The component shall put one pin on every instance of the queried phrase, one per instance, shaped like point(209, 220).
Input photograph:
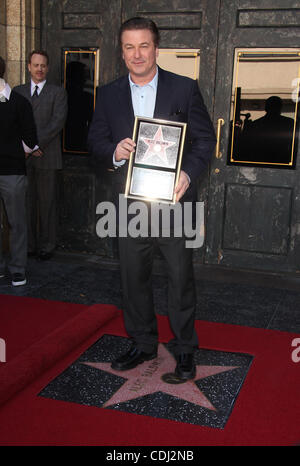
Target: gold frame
point(156, 168)
point(96, 83)
point(268, 54)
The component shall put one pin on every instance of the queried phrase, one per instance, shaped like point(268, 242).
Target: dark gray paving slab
point(152, 389)
point(89, 282)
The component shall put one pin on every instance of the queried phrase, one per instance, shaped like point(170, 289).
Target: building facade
point(242, 52)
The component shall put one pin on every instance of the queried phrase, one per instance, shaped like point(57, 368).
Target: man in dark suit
point(17, 127)
point(152, 92)
point(49, 103)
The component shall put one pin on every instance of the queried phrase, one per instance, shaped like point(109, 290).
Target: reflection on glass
point(264, 112)
point(80, 75)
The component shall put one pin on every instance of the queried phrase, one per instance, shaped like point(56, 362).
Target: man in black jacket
point(18, 134)
point(150, 91)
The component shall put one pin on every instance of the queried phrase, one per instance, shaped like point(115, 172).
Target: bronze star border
point(207, 400)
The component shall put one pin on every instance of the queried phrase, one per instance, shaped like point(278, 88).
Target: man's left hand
point(182, 185)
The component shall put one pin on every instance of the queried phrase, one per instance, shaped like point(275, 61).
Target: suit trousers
point(13, 193)
point(41, 208)
point(136, 263)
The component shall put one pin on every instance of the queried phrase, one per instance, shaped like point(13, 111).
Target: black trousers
point(136, 261)
point(41, 208)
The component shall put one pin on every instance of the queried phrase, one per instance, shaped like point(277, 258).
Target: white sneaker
point(18, 279)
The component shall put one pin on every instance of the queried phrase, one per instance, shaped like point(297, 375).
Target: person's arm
point(58, 118)
point(27, 124)
point(116, 163)
point(123, 151)
point(36, 151)
point(100, 142)
point(182, 185)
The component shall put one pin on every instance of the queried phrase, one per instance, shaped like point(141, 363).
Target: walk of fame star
point(157, 147)
point(148, 378)
point(152, 389)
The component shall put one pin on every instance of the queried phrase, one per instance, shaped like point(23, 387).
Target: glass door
point(253, 216)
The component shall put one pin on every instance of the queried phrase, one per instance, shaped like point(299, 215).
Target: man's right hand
point(37, 153)
point(123, 149)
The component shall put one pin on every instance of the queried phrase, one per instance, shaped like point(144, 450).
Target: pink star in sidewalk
point(147, 378)
point(157, 146)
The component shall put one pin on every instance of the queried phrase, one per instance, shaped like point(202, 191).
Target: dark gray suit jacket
point(50, 112)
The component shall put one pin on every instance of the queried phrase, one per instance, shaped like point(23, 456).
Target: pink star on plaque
point(150, 377)
point(157, 147)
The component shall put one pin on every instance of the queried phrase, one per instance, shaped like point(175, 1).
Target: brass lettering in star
point(147, 378)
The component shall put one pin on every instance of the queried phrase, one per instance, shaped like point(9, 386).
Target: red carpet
point(49, 341)
point(26, 320)
point(266, 412)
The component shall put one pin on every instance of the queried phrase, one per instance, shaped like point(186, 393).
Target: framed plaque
point(154, 166)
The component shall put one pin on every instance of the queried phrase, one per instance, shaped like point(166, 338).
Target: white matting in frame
point(152, 184)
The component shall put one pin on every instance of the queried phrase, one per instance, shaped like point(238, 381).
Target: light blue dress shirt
point(143, 102)
point(144, 97)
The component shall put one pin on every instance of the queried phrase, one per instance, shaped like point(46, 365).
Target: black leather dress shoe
point(131, 359)
point(186, 368)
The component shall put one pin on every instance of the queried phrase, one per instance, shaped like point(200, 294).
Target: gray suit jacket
point(50, 112)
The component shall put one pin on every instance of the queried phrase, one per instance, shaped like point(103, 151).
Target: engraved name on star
point(146, 379)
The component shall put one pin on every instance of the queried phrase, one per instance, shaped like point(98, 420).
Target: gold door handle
point(220, 124)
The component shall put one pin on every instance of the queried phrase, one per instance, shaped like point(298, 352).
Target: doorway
point(253, 198)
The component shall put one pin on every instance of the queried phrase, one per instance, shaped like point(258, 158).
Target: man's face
point(139, 54)
point(38, 68)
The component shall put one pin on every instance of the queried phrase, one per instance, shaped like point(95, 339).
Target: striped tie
point(35, 94)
